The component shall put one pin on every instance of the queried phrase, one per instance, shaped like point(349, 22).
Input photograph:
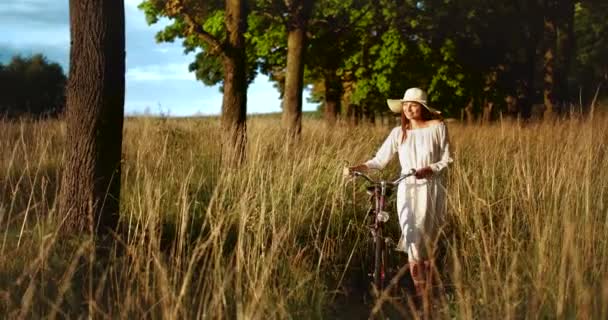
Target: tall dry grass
point(283, 236)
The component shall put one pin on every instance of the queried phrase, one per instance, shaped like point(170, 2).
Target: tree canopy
point(471, 55)
point(218, 29)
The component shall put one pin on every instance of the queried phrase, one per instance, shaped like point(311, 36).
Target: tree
point(297, 21)
point(219, 30)
point(234, 103)
point(549, 53)
point(565, 49)
point(278, 32)
point(90, 187)
point(299, 43)
point(590, 63)
point(340, 31)
point(492, 54)
point(356, 53)
point(31, 87)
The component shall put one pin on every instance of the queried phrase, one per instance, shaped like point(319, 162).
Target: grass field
point(283, 238)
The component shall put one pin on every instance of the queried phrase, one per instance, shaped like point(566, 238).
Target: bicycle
point(379, 191)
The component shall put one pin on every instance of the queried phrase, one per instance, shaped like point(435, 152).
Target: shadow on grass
point(28, 194)
point(356, 298)
point(43, 277)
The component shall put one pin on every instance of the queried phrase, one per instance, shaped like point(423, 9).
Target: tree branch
point(272, 17)
point(216, 45)
point(274, 11)
point(324, 22)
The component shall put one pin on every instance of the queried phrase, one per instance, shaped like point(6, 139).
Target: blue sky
point(157, 73)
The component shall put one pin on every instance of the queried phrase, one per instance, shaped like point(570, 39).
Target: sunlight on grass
point(282, 237)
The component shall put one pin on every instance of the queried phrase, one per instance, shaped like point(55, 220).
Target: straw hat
point(411, 94)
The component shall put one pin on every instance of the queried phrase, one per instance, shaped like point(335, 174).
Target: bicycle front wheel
point(379, 272)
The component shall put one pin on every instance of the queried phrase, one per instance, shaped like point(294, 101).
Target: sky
point(157, 77)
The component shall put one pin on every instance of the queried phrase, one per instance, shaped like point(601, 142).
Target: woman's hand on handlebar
point(425, 172)
point(348, 171)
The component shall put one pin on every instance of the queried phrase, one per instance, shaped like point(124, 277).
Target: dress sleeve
point(444, 149)
point(386, 151)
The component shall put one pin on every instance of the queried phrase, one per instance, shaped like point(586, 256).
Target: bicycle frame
point(379, 191)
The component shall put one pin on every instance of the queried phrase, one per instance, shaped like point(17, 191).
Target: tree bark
point(294, 81)
point(90, 187)
point(468, 112)
point(333, 94)
point(370, 116)
point(549, 44)
point(488, 106)
point(525, 96)
point(489, 93)
point(234, 103)
point(353, 113)
point(533, 34)
point(292, 99)
point(565, 49)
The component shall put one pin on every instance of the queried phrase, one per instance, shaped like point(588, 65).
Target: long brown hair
point(426, 115)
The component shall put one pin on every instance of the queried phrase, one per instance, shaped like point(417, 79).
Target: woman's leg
point(419, 272)
point(421, 275)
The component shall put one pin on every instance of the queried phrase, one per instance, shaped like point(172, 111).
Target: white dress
point(421, 203)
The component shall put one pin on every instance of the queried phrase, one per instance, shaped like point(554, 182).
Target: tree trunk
point(533, 34)
point(525, 96)
point(486, 117)
point(331, 107)
point(292, 99)
point(353, 114)
point(370, 116)
point(333, 95)
point(234, 103)
point(294, 81)
point(489, 91)
point(549, 42)
point(90, 187)
point(470, 117)
point(565, 49)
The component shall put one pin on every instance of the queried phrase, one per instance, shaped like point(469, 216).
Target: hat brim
point(395, 106)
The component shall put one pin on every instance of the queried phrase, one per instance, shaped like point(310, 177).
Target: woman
point(422, 144)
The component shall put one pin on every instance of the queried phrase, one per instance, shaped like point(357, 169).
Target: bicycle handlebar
point(389, 182)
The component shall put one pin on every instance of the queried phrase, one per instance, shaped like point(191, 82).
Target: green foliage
point(267, 38)
point(591, 27)
point(449, 85)
point(368, 51)
point(209, 16)
point(31, 86)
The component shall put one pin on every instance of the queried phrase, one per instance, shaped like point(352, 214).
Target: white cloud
point(157, 75)
point(158, 72)
point(23, 6)
point(23, 38)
